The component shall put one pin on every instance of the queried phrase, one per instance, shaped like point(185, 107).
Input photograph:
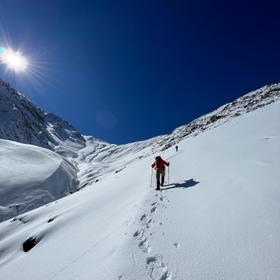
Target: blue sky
point(125, 71)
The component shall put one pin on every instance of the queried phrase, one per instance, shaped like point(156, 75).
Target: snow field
point(216, 219)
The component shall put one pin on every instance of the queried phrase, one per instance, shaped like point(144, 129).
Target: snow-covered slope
point(30, 177)
point(98, 159)
point(216, 219)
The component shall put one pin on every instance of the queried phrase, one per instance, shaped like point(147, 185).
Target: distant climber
point(176, 147)
point(159, 166)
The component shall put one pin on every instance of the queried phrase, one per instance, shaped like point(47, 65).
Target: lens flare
point(25, 65)
point(13, 59)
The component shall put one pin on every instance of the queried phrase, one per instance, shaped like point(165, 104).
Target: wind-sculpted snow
point(99, 159)
point(30, 177)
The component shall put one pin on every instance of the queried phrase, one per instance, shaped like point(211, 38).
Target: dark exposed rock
point(29, 244)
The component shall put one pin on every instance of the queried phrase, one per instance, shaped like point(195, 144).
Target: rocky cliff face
point(22, 121)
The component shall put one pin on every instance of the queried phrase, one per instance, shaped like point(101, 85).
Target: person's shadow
point(187, 184)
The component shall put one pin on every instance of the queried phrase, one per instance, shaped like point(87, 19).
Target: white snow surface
point(216, 218)
point(31, 176)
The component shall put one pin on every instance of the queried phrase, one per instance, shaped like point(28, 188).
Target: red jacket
point(160, 164)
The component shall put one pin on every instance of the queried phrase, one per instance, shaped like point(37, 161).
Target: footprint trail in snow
point(154, 263)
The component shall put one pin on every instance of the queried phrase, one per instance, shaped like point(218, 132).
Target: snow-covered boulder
point(32, 176)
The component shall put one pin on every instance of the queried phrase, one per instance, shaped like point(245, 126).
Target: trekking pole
point(151, 178)
point(168, 175)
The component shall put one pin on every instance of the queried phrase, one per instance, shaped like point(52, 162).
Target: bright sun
point(13, 59)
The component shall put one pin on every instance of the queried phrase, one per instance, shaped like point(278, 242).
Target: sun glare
point(13, 59)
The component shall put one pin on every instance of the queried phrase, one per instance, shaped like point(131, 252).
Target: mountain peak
point(24, 122)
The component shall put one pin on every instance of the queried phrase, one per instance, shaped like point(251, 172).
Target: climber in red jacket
point(159, 166)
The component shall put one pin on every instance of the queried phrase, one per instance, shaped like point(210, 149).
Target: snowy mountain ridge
point(22, 121)
point(244, 104)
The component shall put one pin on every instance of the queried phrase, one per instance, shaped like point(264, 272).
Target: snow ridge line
point(244, 104)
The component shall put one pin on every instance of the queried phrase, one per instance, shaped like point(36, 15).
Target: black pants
point(160, 173)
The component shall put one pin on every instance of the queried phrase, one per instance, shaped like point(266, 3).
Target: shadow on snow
point(186, 184)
